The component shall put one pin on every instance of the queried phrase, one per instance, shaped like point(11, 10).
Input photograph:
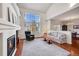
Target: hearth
point(10, 45)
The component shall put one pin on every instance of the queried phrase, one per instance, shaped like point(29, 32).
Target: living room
point(58, 20)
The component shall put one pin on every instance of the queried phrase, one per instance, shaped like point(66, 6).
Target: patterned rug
point(38, 47)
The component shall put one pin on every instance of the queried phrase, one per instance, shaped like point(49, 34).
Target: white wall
point(55, 25)
point(71, 24)
point(21, 31)
point(48, 25)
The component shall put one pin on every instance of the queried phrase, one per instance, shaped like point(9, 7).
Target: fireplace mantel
point(9, 24)
point(5, 25)
point(6, 30)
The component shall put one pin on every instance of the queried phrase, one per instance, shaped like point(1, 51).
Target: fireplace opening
point(10, 45)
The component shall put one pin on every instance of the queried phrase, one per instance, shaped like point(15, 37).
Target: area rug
point(38, 47)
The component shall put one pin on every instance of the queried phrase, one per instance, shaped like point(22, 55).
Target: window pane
point(29, 17)
point(32, 22)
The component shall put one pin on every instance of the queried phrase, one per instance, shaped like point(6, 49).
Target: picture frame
point(8, 14)
point(75, 26)
point(12, 18)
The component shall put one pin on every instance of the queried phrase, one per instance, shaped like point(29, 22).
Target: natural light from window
point(32, 22)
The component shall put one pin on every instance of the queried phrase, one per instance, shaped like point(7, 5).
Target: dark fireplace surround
point(11, 44)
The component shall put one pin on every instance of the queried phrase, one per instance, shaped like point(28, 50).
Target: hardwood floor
point(73, 50)
point(19, 47)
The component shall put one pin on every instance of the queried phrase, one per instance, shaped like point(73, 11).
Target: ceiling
point(69, 15)
point(42, 7)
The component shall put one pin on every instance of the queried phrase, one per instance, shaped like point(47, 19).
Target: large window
point(32, 22)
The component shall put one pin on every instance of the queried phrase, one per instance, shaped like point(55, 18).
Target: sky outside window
point(30, 17)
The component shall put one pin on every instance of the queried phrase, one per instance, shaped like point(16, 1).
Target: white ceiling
point(42, 7)
point(70, 15)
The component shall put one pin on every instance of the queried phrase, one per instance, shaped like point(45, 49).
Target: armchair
point(28, 35)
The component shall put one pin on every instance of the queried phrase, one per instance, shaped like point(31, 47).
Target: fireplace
point(10, 45)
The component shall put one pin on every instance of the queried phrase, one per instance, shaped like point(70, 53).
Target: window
point(32, 22)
